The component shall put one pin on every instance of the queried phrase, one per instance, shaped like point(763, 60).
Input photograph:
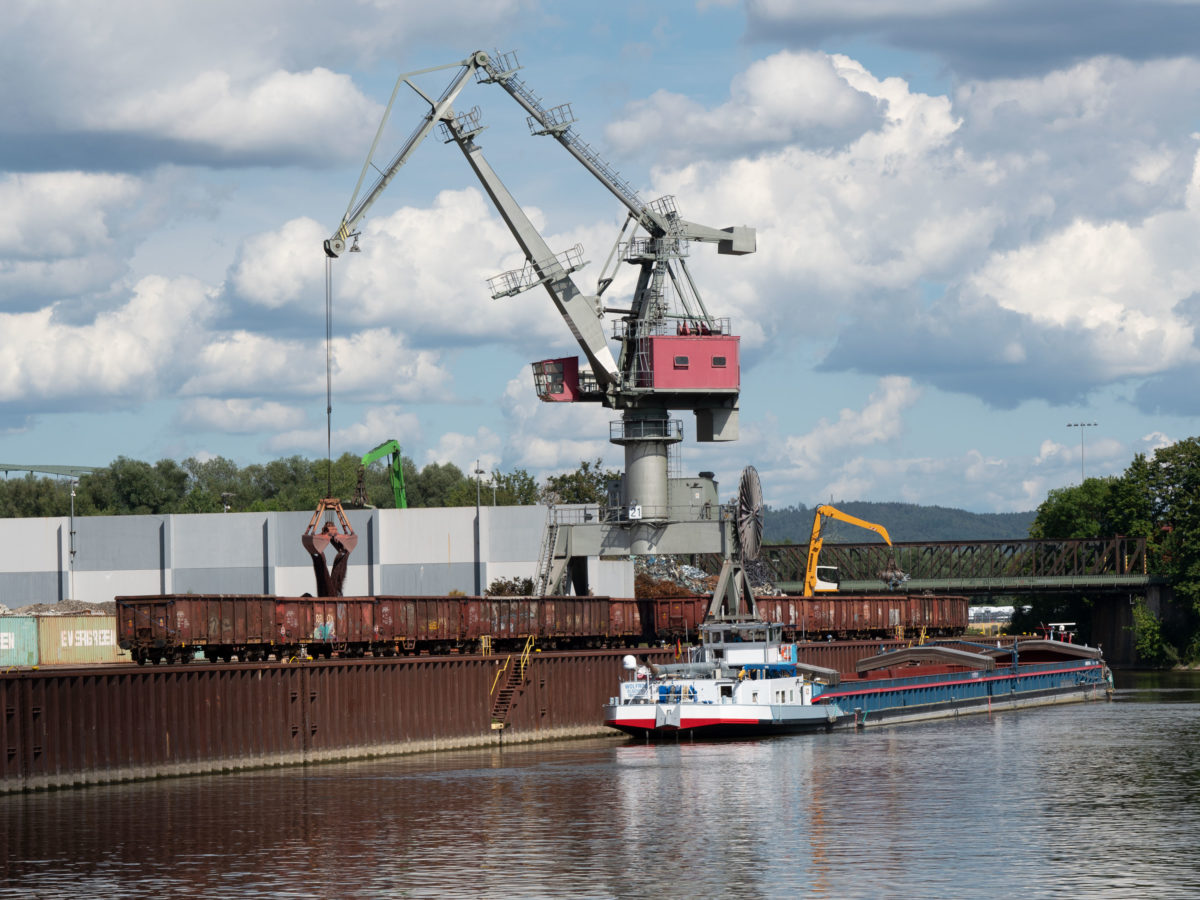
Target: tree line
point(134, 487)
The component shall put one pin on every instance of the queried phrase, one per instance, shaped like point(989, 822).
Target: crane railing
point(501, 69)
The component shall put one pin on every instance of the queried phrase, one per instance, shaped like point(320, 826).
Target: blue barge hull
point(876, 700)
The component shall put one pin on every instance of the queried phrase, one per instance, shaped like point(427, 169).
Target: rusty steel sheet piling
point(78, 726)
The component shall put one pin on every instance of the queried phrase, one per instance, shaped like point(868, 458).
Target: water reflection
point(1093, 799)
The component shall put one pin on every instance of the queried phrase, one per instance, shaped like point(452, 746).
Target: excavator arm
point(816, 541)
point(390, 449)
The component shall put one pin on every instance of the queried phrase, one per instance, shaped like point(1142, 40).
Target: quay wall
point(69, 727)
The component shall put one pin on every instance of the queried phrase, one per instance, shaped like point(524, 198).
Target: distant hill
point(903, 521)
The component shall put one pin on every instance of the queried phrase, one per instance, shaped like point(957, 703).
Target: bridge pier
point(1112, 620)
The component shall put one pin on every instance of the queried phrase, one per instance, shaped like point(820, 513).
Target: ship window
point(681, 362)
point(718, 362)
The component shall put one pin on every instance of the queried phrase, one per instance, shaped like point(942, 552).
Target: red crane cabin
point(696, 362)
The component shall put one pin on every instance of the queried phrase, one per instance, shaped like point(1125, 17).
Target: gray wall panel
point(219, 539)
point(513, 533)
point(119, 542)
point(19, 589)
point(434, 579)
point(244, 580)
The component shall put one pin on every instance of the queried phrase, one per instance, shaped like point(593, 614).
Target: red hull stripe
point(684, 725)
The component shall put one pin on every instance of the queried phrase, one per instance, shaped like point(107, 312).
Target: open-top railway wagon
point(856, 617)
point(176, 627)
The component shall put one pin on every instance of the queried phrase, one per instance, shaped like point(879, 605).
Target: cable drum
point(750, 514)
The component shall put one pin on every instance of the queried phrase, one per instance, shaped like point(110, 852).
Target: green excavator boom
point(389, 449)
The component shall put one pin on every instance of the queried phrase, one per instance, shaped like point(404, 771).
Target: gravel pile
point(66, 608)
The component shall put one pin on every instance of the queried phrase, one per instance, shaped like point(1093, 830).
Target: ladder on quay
point(503, 699)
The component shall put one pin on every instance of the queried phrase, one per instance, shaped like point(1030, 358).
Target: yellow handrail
point(529, 641)
point(500, 671)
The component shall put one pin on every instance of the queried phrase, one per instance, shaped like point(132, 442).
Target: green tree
point(440, 484)
point(587, 484)
point(130, 486)
point(34, 496)
point(1157, 498)
point(515, 488)
point(1079, 511)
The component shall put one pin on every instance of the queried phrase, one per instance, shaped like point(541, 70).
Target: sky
point(976, 228)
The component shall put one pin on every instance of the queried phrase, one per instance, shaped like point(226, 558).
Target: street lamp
point(1081, 426)
point(478, 562)
point(71, 536)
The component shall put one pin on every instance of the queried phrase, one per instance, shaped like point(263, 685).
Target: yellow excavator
point(812, 583)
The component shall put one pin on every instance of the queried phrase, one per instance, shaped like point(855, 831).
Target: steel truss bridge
point(971, 567)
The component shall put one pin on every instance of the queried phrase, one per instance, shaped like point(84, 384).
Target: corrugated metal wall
point(67, 727)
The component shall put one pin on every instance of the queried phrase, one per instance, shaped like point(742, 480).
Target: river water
point(1088, 800)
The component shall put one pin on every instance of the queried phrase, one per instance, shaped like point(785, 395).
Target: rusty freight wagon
point(858, 616)
point(178, 627)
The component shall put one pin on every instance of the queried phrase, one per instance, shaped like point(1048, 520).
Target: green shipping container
point(78, 641)
point(18, 641)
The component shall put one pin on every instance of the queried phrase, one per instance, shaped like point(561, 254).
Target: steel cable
point(328, 377)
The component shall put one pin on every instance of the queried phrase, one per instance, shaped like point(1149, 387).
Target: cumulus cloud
point(60, 214)
point(787, 98)
point(364, 433)
point(80, 96)
point(553, 437)
point(281, 267)
point(422, 269)
point(58, 237)
point(374, 364)
point(963, 242)
point(124, 355)
point(283, 116)
point(236, 415)
point(879, 421)
point(484, 447)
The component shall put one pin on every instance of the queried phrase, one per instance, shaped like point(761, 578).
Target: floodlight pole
point(1081, 426)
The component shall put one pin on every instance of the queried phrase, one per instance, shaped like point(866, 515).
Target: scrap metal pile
point(670, 576)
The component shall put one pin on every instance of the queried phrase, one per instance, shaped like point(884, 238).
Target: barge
point(745, 681)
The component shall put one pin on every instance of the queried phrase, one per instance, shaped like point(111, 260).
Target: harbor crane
point(673, 353)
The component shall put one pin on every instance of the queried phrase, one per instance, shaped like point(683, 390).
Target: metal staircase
point(541, 584)
point(513, 676)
